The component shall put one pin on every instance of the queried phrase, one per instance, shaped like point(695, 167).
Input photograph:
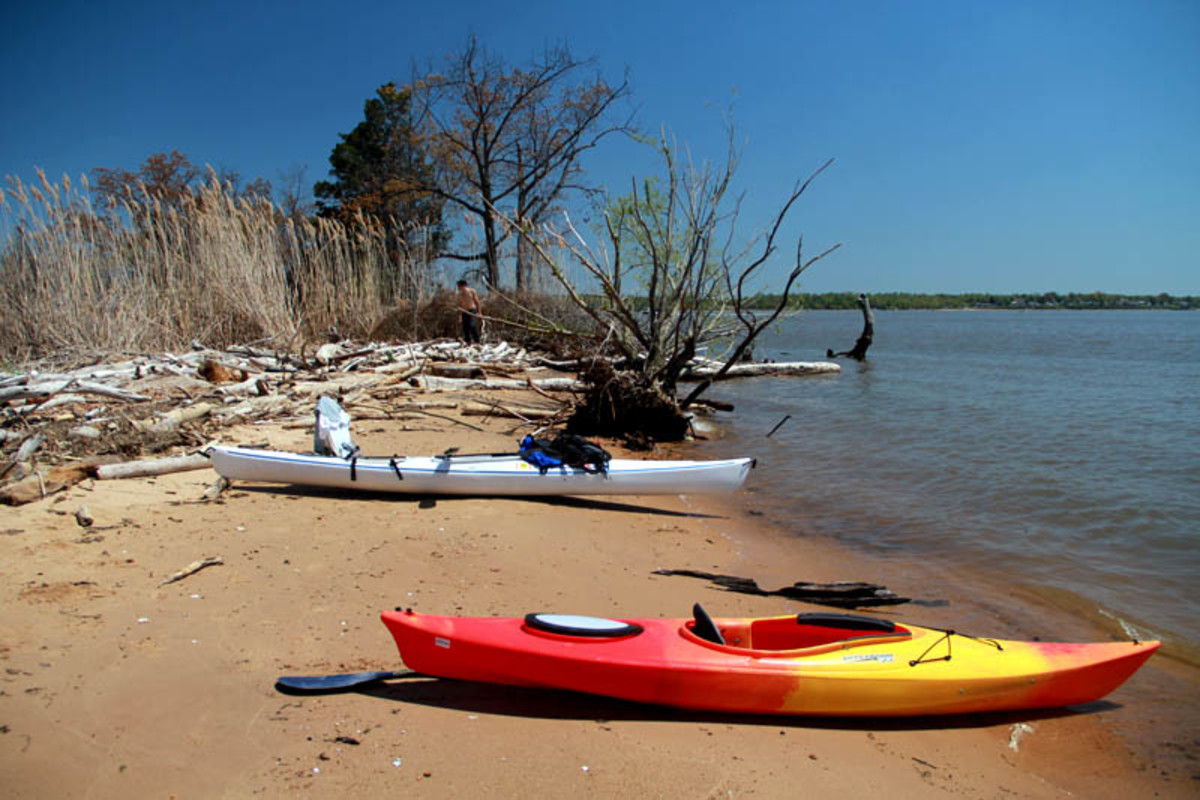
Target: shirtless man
point(468, 312)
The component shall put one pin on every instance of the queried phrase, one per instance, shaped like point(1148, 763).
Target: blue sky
point(979, 146)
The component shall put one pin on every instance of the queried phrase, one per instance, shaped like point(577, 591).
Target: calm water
point(1059, 448)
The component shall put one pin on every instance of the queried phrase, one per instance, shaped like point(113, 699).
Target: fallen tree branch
point(192, 569)
point(26, 449)
point(49, 389)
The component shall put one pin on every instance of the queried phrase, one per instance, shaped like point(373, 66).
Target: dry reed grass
point(213, 270)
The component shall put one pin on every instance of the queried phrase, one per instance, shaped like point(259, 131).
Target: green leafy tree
point(380, 169)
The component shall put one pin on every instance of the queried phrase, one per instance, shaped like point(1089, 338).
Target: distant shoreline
point(904, 301)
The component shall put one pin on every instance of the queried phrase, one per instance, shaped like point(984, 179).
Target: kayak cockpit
point(803, 634)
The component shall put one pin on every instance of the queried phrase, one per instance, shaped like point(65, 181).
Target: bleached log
point(154, 466)
point(402, 365)
point(27, 449)
point(501, 410)
point(271, 364)
point(258, 406)
point(174, 419)
point(418, 404)
point(60, 400)
point(432, 383)
point(707, 370)
point(254, 385)
point(49, 389)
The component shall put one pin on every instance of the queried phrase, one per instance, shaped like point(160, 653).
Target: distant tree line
point(905, 301)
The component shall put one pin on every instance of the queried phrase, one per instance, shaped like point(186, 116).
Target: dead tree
point(675, 238)
point(859, 351)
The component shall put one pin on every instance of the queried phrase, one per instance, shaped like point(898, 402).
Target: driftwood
point(51, 388)
point(174, 419)
point(841, 594)
point(58, 400)
point(474, 409)
point(432, 383)
point(778, 425)
point(254, 385)
point(192, 569)
point(43, 483)
point(153, 466)
point(703, 368)
point(859, 351)
point(27, 449)
point(457, 371)
point(215, 490)
point(391, 376)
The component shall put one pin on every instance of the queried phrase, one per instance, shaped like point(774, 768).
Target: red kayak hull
point(771, 666)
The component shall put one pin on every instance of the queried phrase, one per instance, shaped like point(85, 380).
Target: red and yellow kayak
point(816, 664)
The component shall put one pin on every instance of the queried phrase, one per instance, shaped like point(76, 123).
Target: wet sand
point(114, 685)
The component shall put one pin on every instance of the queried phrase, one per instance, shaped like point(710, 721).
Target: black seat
point(705, 628)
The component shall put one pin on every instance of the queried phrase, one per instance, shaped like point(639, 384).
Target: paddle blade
point(334, 683)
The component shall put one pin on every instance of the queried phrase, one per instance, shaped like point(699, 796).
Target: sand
point(115, 686)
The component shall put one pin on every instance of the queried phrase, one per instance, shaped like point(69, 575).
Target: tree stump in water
point(859, 351)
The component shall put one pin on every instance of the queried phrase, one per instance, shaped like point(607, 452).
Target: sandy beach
point(114, 685)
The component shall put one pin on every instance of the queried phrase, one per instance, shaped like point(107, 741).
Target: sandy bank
point(114, 685)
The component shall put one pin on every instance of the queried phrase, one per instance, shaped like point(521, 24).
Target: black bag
point(578, 452)
point(566, 449)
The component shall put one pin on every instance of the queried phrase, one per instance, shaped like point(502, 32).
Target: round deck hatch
point(575, 625)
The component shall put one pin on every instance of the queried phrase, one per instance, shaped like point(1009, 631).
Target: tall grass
point(214, 269)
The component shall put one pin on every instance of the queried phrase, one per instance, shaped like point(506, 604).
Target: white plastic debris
point(1016, 733)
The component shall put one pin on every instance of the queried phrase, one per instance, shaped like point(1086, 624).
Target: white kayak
point(489, 474)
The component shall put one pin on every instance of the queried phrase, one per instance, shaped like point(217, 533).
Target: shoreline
point(117, 685)
point(1155, 712)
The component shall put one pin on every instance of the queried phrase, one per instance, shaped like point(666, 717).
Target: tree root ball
point(623, 405)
